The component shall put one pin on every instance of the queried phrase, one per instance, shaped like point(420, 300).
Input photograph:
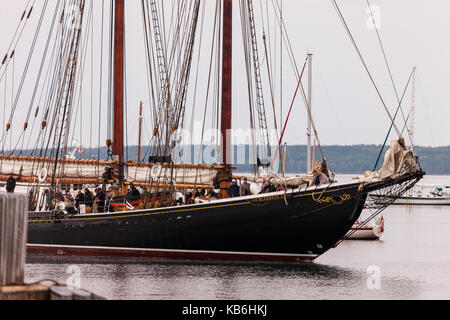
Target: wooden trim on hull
point(168, 255)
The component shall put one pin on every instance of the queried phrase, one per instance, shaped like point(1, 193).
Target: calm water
point(412, 257)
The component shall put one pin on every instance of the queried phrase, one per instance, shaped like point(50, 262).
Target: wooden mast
point(227, 51)
point(140, 132)
point(118, 104)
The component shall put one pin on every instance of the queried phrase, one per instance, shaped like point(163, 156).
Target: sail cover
point(181, 174)
point(398, 161)
point(41, 168)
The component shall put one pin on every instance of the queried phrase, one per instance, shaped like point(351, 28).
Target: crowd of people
point(244, 189)
point(98, 201)
point(239, 191)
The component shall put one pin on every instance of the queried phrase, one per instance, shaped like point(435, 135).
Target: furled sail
point(180, 173)
point(398, 160)
point(40, 168)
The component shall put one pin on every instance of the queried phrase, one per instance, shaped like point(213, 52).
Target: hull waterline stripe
point(167, 253)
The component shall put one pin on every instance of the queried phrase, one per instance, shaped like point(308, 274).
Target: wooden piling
point(13, 238)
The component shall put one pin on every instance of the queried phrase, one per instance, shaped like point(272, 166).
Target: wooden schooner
point(298, 223)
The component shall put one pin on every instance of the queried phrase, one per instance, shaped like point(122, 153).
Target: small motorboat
point(421, 194)
point(359, 231)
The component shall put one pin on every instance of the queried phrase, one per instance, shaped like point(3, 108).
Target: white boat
point(366, 232)
point(423, 194)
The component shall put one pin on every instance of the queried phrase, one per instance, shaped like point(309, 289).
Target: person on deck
point(267, 186)
point(135, 192)
point(79, 199)
point(100, 198)
point(212, 194)
point(319, 179)
point(233, 190)
point(245, 189)
point(108, 196)
point(189, 198)
point(48, 199)
point(88, 200)
point(69, 203)
point(11, 184)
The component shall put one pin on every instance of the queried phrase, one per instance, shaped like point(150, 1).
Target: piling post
point(13, 238)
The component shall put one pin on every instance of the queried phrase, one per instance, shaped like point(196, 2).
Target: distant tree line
point(359, 158)
point(351, 159)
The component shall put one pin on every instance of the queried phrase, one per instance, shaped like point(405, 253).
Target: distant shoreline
point(342, 159)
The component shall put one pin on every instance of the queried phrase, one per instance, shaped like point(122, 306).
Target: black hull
point(253, 228)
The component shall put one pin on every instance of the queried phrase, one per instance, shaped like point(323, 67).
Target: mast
point(227, 51)
point(309, 133)
point(281, 69)
point(140, 132)
point(118, 85)
point(413, 106)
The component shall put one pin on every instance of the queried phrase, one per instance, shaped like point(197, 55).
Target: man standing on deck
point(79, 199)
point(108, 198)
point(245, 189)
point(100, 197)
point(10, 184)
point(233, 191)
point(88, 200)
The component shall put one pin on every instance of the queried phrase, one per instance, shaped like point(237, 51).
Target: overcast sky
point(346, 107)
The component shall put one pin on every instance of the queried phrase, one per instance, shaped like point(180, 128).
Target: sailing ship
point(297, 222)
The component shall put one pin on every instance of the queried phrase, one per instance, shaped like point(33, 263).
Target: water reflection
point(134, 280)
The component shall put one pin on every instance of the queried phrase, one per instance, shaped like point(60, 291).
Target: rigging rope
point(364, 64)
point(26, 67)
point(390, 128)
point(15, 34)
point(389, 70)
point(289, 114)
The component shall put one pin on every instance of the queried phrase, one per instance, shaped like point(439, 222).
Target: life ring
point(158, 168)
point(43, 175)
